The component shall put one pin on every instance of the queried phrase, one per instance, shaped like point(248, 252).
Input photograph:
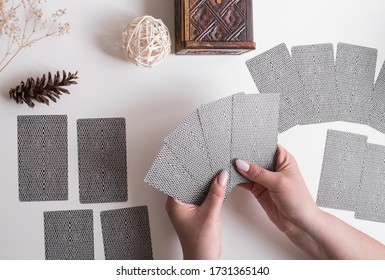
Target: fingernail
point(242, 165)
point(223, 178)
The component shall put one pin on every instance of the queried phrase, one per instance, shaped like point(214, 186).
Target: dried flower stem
point(22, 24)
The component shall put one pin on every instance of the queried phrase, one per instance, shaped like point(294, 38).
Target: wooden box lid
point(213, 26)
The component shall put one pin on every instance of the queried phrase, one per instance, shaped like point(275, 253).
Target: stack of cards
point(210, 139)
point(353, 176)
point(316, 88)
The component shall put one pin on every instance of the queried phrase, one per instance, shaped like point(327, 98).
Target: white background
point(154, 101)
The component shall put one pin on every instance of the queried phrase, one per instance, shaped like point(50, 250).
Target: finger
point(214, 200)
point(283, 158)
point(257, 174)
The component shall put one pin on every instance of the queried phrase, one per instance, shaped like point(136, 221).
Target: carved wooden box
point(213, 26)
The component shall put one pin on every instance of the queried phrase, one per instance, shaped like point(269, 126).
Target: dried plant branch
point(22, 24)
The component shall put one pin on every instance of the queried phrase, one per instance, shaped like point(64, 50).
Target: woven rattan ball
point(146, 41)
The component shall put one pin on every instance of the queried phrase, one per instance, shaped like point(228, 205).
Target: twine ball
point(146, 41)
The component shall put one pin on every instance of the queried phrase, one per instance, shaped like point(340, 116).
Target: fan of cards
point(316, 88)
point(309, 86)
point(210, 139)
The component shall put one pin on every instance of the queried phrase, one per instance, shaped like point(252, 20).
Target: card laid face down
point(69, 235)
point(42, 157)
point(355, 72)
point(371, 195)
point(274, 71)
point(315, 64)
point(255, 124)
point(377, 118)
point(126, 234)
point(187, 143)
point(102, 160)
point(341, 170)
point(168, 175)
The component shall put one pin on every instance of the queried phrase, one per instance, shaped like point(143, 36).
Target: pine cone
point(43, 88)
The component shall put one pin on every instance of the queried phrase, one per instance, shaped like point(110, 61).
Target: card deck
point(238, 126)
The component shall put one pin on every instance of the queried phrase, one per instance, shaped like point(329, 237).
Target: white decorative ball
point(146, 41)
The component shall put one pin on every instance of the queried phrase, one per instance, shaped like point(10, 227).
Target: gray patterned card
point(188, 145)
point(274, 72)
point(315, 64)
point(69, 235)
point(341, 170)
point(371, 195)
point(42, 157)
point(355, 72)
point(377, 118)
point(216, 120)
point(255, 124)
point(126, 234)
point(168, 175)
point(102, 160)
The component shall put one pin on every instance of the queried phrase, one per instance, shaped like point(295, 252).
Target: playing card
point(42, 157)
point(315, 64)
point(102, 160)
point(69, 235)
point(355, 72)
point(126, 234)
point(341, 170)
point(255, 131)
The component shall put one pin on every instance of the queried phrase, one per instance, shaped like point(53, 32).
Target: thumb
point(214, 200)
point(257, 174)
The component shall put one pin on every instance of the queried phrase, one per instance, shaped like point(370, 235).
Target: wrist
point(202, 256)
point(307, 222)
point(312, 221)
point(202, 252)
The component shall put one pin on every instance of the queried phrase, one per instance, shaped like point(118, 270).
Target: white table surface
point(154, 101)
